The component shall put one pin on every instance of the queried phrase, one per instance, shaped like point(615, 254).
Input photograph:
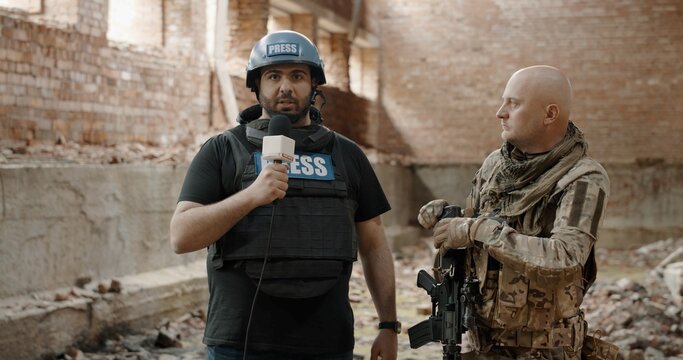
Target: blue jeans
point(229, 353)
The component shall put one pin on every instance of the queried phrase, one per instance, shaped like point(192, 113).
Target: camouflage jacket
point(533, 286)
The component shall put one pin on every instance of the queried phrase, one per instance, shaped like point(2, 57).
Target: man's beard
point(269, 105)
point(293, 118)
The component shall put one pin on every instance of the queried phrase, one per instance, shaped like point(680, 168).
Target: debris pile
point(75, 153)
point(642, 315)
point(172, 340)
point(640, 319)
point(69, 152)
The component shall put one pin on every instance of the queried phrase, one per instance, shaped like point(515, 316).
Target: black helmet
point(284, 47)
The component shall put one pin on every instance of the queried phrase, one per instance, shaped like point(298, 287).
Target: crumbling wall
point(69, 82)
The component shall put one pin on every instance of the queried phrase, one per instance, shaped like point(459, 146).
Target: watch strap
point(392, 325)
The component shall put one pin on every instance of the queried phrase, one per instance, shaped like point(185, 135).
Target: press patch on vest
point(283, 49)
point(586, 207)
point(311, 166)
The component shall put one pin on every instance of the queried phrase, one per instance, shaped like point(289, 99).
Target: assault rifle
point(453, 301)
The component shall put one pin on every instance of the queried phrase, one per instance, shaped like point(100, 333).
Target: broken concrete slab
point(34, 326)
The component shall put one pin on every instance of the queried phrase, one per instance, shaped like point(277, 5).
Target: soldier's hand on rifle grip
point(431, 212)
point(453, 233)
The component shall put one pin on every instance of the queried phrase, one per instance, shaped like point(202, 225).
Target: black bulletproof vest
point(313, 232)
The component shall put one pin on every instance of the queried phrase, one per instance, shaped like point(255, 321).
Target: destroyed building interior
point(104, 103)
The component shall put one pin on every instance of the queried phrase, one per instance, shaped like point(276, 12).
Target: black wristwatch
point(393, 325)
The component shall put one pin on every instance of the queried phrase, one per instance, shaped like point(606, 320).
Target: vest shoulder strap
point(240, 149)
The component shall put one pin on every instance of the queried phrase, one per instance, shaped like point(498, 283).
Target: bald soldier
point(540, 200)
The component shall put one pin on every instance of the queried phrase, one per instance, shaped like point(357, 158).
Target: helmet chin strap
point(316, 93)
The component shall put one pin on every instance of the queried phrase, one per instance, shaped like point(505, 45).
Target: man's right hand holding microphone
point(271, 184)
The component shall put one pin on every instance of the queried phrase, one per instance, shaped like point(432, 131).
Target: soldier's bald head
point(547, 85)
point(536, 108)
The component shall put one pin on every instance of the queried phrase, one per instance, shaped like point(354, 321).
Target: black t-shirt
point(316, 325)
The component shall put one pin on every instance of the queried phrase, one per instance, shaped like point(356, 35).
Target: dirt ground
point(627, 304)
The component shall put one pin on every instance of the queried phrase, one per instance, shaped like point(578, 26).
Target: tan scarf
point(522, 186)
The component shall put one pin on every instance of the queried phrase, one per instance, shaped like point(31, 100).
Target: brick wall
point(348, 114)
point(91, 15)
point(442, 70)
point(70, 81)
point(179, 17)
point(443, 67)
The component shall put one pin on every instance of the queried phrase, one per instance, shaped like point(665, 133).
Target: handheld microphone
point(277, 145)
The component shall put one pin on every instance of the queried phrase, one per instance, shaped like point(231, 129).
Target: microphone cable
point(260, 278)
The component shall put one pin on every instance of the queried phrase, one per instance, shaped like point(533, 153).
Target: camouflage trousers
point(506, 353)
point(593, 349)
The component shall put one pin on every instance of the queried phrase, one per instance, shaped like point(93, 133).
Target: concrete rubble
point(638, 313)
point(642, 316)
point(63, 151)
point(74, 153)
